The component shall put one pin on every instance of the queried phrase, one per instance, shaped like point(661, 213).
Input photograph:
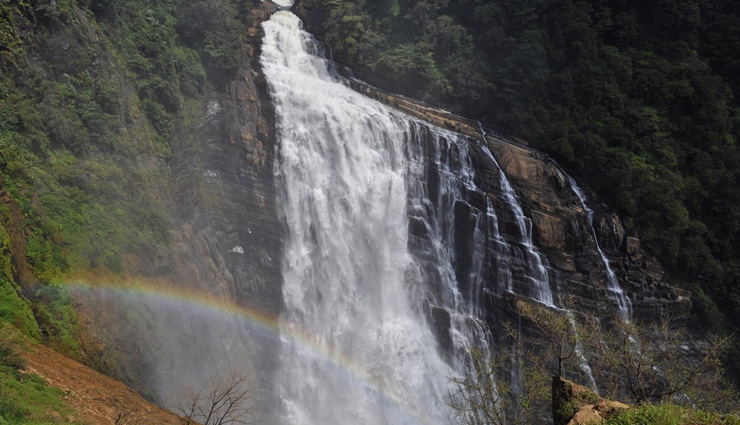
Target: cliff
point(154, 309)
point(560, 225)
point(225, 250)
point(137, 187)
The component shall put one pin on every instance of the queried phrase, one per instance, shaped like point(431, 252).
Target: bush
point(11, 344)
point(14, 308)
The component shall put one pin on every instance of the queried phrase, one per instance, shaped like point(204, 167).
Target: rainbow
point(206, 302)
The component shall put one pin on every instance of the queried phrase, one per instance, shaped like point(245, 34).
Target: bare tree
point(489, 395)
point(656, 362)
point(644, 363)
point(631, 362)
point(224, 400)
point(556, 337)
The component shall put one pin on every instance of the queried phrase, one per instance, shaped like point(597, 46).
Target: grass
point(669, 414)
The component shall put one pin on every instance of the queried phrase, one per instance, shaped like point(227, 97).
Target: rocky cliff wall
point(191, 321)
point(560, 225)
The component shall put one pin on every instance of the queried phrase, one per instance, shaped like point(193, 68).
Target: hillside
point(131, 153)
point(96, 399)
point(189, 191)
point(40, 386)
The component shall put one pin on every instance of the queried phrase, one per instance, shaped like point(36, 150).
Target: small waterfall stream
point(540, 279)
point(623, 301)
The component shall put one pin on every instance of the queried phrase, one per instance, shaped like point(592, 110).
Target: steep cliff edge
point(226, 241)
point(560, 224)
point(137, 177)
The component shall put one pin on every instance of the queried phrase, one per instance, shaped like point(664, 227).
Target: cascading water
point(391, 248)
point(623, 301)
point(540, 279)
point(371, 358)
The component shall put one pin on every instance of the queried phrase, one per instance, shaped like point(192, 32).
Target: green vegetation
point(90, 94)
point(13, 308)
point(668, 414)
point(534, 367)
point(25, 398)
point(640, 100)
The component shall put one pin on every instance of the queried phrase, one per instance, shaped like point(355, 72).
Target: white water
point(386, 231)
point(582, 360)
point(623, 301)
point(370, 357)
point(540, 279)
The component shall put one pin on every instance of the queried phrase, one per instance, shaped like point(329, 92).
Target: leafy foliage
point(90, 93)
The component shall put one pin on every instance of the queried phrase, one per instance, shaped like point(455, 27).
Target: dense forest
point(91, 92)
point(639, 100)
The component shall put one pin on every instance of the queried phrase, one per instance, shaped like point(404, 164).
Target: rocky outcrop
point(562, 231)
point(430, 114)
point(560, 225)
point(574, 404)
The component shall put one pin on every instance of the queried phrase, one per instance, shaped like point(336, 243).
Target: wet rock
point(550, 231)
point(610, 231)
point(633, 244)
point(441, 323)
point(561, 229)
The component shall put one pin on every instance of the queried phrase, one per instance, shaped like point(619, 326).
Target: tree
point(556, 334)
point(622, 361)
point(490, 393)
point(657, 362)
point(224, 400)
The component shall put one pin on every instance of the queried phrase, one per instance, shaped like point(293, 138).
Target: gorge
point(350, 246)
point(399, 231)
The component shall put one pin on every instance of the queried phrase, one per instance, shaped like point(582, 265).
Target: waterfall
point(367, 355)
point(582, 360)
point(623, 301)
point(392, 254)
point(540, 279)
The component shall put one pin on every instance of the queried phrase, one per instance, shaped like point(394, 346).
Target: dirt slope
point(97, 399)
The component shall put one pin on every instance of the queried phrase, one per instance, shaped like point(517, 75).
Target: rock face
point(560, 225)
point(574, 404)
point(561, 230)
point(187, 318)
point(226, 190)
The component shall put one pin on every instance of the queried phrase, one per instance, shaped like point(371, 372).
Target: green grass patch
point(669, 414)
